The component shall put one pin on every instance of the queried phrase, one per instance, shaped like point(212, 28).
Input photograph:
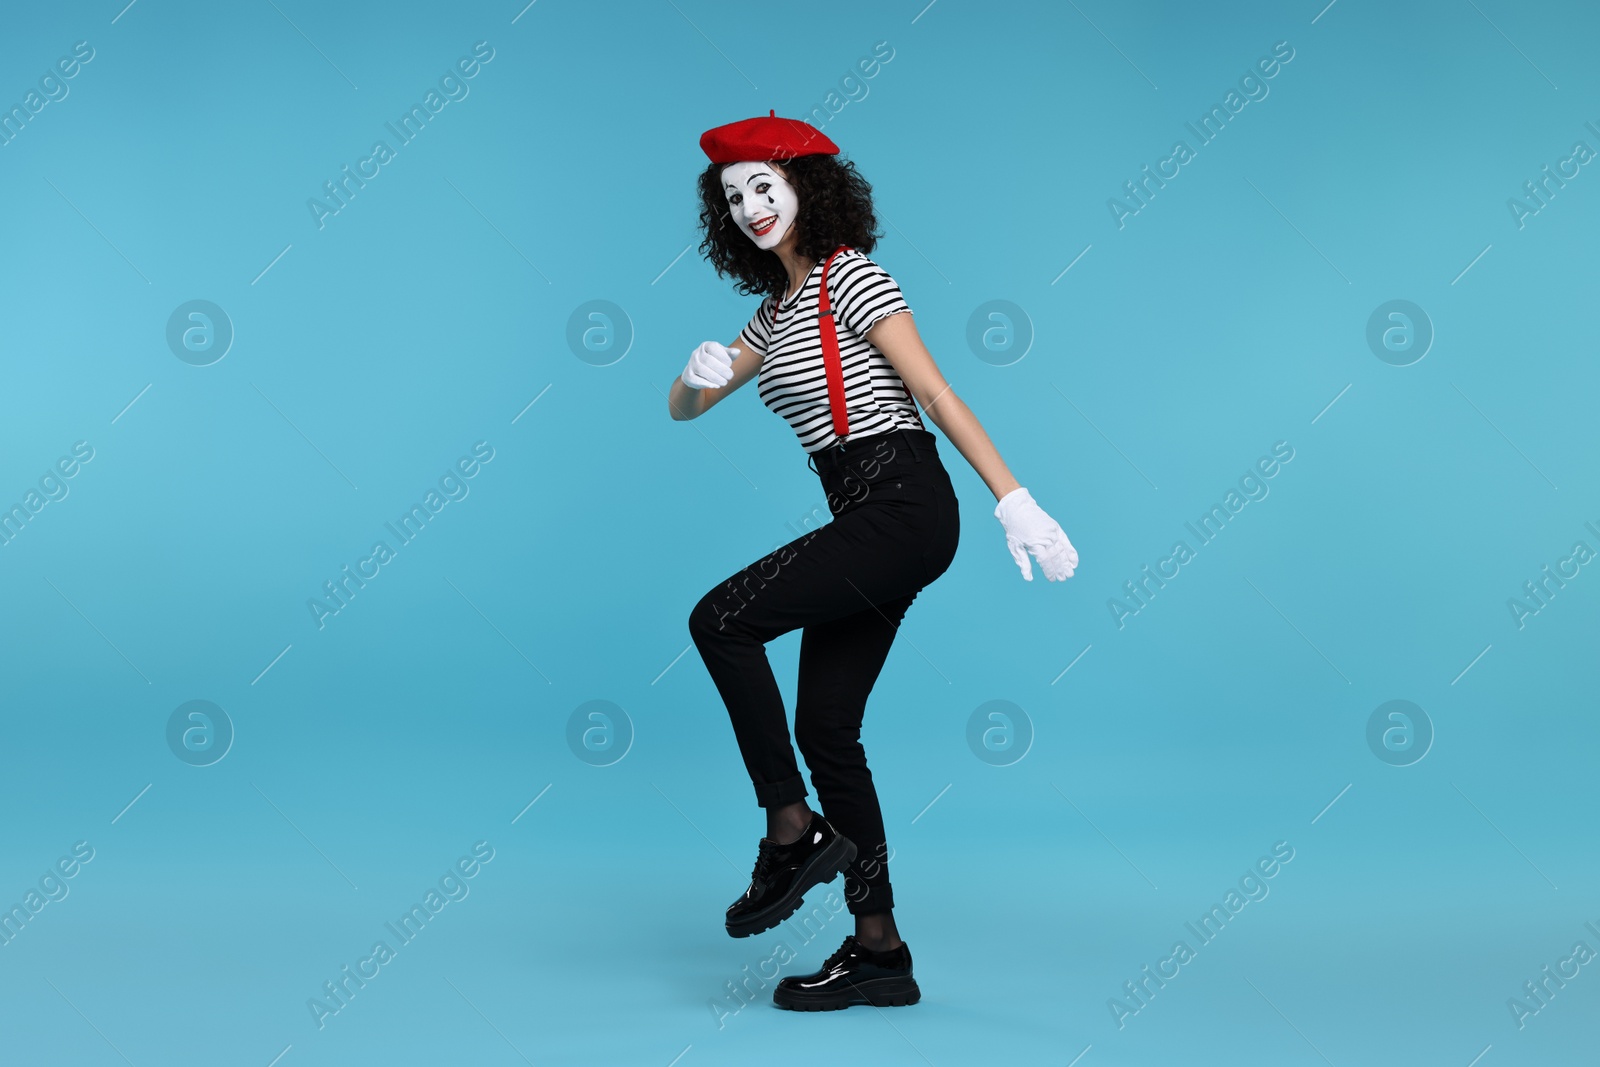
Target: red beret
point(765, 137)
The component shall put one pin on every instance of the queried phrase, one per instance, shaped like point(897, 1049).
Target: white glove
point(1028, 528)
point(710, 366)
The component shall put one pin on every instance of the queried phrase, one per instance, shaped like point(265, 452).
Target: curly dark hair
point(835, 209)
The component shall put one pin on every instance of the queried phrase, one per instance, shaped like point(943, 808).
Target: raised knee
point(711, 616)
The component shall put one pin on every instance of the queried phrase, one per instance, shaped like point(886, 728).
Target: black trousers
point(894, 529)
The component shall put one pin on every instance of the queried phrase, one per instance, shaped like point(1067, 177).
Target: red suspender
point(830, 351)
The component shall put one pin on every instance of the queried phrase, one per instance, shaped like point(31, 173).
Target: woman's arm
point(897, 338)
point(684, 403)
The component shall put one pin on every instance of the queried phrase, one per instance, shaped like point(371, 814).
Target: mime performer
point(839, 358)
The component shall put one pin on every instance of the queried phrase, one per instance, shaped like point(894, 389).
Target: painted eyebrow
point(753, 177)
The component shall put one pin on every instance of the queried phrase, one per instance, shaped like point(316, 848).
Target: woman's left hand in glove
point(1029, 529)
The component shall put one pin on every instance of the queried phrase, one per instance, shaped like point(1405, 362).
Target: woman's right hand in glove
point(710, 366)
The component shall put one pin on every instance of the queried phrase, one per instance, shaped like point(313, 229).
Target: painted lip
point(762, 228)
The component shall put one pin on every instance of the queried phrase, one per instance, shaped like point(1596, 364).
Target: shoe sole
point(878, 992)
point(824, 867)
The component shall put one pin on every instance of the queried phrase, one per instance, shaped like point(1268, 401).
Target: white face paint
point(760, 201)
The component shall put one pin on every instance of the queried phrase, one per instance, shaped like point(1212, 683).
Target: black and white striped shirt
point(793, 382)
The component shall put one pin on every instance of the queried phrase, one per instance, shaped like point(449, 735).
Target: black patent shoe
point(783, 873)
point(852, 975)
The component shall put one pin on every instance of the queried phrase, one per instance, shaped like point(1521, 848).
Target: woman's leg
point(890, 536)
point(862, 558)
point(839, 663)
point(785, 823)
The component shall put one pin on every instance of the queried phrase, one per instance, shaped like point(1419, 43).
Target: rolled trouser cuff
point(776, 794)
point(864, 899)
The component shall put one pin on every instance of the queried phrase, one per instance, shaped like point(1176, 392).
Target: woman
point(841, 364)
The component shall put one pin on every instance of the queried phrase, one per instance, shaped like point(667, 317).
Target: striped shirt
point(793, 381)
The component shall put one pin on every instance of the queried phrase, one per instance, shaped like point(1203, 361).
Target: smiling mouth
point(760, 229)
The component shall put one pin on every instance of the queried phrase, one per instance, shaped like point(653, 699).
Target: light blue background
point(1229, 314)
